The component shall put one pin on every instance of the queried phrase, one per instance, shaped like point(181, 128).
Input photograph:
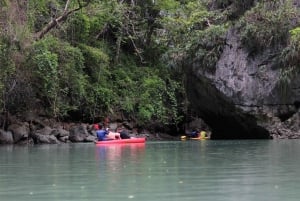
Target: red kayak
point(122, 141)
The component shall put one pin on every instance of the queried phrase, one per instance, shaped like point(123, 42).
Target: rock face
point(20, 132)
point(80, 134)
point(219, 113)
point(6, 137)
point(251, 81)
point(246, 92)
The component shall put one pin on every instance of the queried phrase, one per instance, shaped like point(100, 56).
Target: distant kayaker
point(192, 134)
point(203, 134)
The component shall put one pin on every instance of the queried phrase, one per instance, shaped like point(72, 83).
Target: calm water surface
point(178, 171)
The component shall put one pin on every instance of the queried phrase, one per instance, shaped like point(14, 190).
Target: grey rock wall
point(246, 80)
point(252, 83)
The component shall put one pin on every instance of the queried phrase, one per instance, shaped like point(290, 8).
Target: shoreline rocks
point(59, 132)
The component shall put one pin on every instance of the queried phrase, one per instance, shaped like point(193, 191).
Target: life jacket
point(203, 134)
point(101, 134)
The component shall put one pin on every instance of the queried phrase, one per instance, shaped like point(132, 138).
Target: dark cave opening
point(220, 114)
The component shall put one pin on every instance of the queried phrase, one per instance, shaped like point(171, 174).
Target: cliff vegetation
point(83, 60)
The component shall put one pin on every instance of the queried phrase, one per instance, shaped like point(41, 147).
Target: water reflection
point(113, 154)
point(117, 163)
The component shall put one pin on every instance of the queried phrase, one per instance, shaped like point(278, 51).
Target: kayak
point(201, 136)
point(193, 138)
point(122, 141)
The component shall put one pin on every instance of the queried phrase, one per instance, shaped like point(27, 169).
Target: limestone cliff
point(253, 91)
point(250, 101)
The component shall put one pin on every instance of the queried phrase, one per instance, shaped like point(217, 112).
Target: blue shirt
point(101, 134)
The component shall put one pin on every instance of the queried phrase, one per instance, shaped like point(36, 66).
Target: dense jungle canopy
point(81, 60)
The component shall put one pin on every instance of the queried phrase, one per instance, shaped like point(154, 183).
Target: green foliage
point(3, 3)
point(7, 68)
point(151, 100)
point(159, 5)
point(46, 64)
point(101, 96)
point(106, 13)
point(208, 46)
point(40, 12)
point(267, 25)
point(289, 61)
point(158, 101)
point(234, 8)
point(47, 67)
point(101, 99)
point(126, 88)
point(78, 28)
point(95, 60)
point(290, 56)
point(58, 68)
point(193, 31)
point(113, 57)
point(146, 96)
point(295, 34)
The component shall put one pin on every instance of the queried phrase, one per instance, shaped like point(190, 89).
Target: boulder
point(90, 138)
point(44, 136)
point(6, 137)
point(60, 132)
point(78, 133)
point(19, 131)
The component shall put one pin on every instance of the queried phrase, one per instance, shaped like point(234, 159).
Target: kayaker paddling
point(103, 134)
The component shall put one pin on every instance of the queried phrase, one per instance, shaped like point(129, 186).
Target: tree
point(63, 17)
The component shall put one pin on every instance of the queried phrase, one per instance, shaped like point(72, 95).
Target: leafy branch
point(63, 17)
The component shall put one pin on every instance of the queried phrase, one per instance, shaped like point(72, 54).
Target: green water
point(200, 170)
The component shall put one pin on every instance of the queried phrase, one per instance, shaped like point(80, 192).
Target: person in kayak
point(103, 134)
point(113, 135)
point(193, 134)
point(123, 133)
point(203, 134)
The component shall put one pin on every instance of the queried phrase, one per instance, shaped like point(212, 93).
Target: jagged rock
point(6, 137)
point(90, 138)
point(59, 132)
point(43, 136)
point(252, 81)
point(45, 139)
point(78, 133)
point(288, 129)
point(19, 131)
point(64, 139)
